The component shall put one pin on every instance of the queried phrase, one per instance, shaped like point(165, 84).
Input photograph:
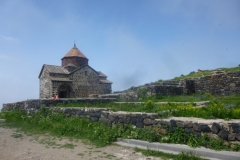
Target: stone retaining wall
point(220, 84)
point(228, 130)
point(35, 104)
point(226, 83)
point(168, 90)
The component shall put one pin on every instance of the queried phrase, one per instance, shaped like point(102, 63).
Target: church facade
point(74, 79)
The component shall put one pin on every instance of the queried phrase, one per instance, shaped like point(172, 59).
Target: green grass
point(80, 154)
point(56, 124)
point(165, 156)
point(205, 73)
point(59, 125)
point(224, 107)
point(47, 141)
point(68, 145)
point(234, 69)
point(17, 135)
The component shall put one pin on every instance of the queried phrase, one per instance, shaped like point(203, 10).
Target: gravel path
point(16, 145)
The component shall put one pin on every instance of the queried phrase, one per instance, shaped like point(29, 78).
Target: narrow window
point(85, 73)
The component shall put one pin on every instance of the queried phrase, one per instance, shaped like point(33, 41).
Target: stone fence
point(219, 84)
point(222, 83)
point(36, 104)
point(227, 130)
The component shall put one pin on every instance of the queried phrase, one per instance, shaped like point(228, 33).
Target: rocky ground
point(17, 145)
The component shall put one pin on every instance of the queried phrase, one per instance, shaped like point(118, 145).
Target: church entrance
point(64, 91)
point(62, 94)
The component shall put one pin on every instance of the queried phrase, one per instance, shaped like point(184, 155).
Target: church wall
point(80, 81)
point(56, 75)
point(56, 84)
point(74, 60)
point(85, 82)
point(105, 88)
point(45, 85)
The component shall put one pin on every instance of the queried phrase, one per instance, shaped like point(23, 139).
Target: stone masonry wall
point(217, 84)
point(45, 85)
point(227, 130)
point(220, 84)
point(33, 105)
point(168, 90)
point(85, 82)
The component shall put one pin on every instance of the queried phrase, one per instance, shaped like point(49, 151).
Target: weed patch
point(80, 154)
point(163, 155)
point(68, 145)
point(17, 135)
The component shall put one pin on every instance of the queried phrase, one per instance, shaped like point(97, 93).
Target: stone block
point(237, 136)
point(188, 130)
point(155, 122)
point(213, 136)
point(96, 114)
point(112, 117)
point(126, 120)
point(180, 124)
point(120, 120)
point(147, 121)
point(152, 116)
point(196, 127)
point(104, 114)
point(133, 121)
point(216, 128)
point(205, 128)
point(231, 136)
point(235, 128)
point(139, 125)
point(132, 115)
point(105, 120)
point(120, 116)
point(188, 124)
point(139, 119)
point(144, 115)
point(166, 123)
point(223, 134)
point(173, 123)
point(226, 127)
point(116, 120)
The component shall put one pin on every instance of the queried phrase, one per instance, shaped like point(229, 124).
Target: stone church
point(75, 78)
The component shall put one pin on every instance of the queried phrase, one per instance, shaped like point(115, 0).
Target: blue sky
point(132, 41)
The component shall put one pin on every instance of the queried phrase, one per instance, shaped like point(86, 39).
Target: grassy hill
point(205, 73)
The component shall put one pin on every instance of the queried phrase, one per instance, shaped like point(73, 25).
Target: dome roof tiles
point(75, 52)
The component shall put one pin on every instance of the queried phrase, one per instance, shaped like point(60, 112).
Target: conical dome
point(75, 52)
point(74, 57)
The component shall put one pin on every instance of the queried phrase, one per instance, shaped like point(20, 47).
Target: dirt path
point(16, 145)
